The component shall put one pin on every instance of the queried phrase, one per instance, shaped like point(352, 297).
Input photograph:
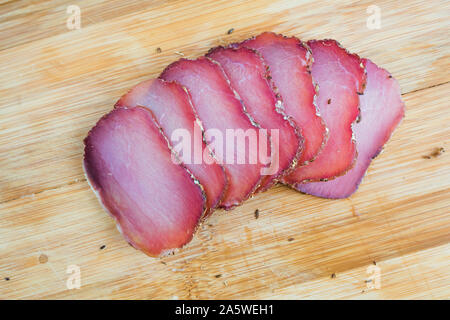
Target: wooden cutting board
point(390, 240)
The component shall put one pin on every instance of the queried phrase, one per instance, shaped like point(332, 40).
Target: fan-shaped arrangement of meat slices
point(211, 132)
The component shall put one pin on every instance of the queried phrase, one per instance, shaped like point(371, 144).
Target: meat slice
point(289, 62)
point(222, 116)
point(156, 202)
point(382, 109)
point(250, 77)
point(172, 108)
point(340, 77)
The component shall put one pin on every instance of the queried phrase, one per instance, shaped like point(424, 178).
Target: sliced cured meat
point(156, 203)
point(289, 62)
point(340, 77)
point(222, 116)
point(381, 111)
point(250, 78)
point(172, 108)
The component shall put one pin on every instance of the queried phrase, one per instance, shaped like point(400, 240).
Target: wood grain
point(56, 83)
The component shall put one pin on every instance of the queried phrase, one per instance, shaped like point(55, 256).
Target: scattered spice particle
point(163, 262)
point(374, 263)
point(256, 213)
point(360, 93)
point(354, 213)
point(368, 280)
point(218, 276)
point(435, 153)
point(291, 239)
point(329, 101)
point(389, 76)
point(158, 50)
point(102, 247)
point(230, 31)
point(333, 276)
point(7, 279)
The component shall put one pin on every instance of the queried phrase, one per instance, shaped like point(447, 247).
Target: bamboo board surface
point(56, 83)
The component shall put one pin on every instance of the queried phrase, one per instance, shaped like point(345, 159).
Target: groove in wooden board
point(47, 122)
point(387, 219)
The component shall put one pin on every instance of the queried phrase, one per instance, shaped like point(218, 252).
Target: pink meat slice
point(382, 109)
point(340, 77)
point(172, 108)
point(289, 62)
point(156, 203)
point(250, 78)
point(219, 110)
